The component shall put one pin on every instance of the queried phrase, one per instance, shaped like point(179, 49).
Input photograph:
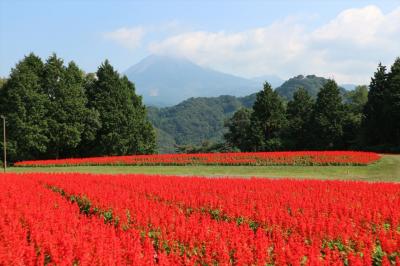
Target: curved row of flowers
point(245, 158)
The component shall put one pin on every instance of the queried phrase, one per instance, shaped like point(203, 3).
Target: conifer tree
point(328, 118)
point(238, 129)
point(267, 121)
point(374, 117)
point(299, 112)
point(143, 139)
point(392, 105)
point(124, 126)
point(67, 110)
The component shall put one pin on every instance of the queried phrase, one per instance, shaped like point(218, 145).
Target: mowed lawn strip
point(386, 169)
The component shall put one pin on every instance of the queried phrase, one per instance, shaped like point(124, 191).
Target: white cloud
point(346, 48)
point(128, 37)
point(359, 26)
point(132, 37)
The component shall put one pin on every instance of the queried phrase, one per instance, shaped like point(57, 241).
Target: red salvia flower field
point(239, 158)
point(86, 219)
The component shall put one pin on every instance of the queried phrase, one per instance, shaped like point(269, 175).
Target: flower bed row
point(248, 158)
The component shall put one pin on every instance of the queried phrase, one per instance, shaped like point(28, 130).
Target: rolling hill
point(311, 83)
point(194, 120)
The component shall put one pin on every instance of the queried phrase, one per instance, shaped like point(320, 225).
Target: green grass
point(387, 169)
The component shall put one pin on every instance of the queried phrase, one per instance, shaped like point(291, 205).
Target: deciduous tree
point(23, 102)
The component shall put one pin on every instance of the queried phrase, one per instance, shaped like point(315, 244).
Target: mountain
point(274, 80)
point(166, 81)
point(311, 83)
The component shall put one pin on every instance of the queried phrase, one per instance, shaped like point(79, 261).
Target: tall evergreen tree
point(24, 105)
point(392, 105)
point(238, 129)
point(124, 126)
point(267, 121)
point(91, 122)
point(354, 106)
point(143, 139)
point(373, 122)
point(328, 118)
point(299, 113)
point(67, 109)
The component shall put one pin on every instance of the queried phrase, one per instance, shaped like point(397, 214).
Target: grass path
point(387, 169)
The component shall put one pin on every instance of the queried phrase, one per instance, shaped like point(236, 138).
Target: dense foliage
point(382, 111)
point(238, 127)
point(124, 129)
point(299, 114)
point(359, 119)
point(194, 120)
point(56, 111)
point(84, 219)
point(238, 158)
point(266, 121)
point(327, 118)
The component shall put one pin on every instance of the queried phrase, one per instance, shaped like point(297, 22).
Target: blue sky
point(340, 39)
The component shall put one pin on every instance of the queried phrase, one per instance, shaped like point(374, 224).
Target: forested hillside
point(360, 119)
point(196, 120)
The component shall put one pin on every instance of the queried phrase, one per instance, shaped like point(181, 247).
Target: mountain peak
point(155, 59)
point(168, 80)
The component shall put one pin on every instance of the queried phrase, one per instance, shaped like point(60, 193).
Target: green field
point(387, 169)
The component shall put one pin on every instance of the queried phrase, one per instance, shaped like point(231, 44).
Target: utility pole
point(4, 143)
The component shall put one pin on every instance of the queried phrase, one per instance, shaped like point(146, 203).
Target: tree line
point(365, 119)
point(55, 110)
